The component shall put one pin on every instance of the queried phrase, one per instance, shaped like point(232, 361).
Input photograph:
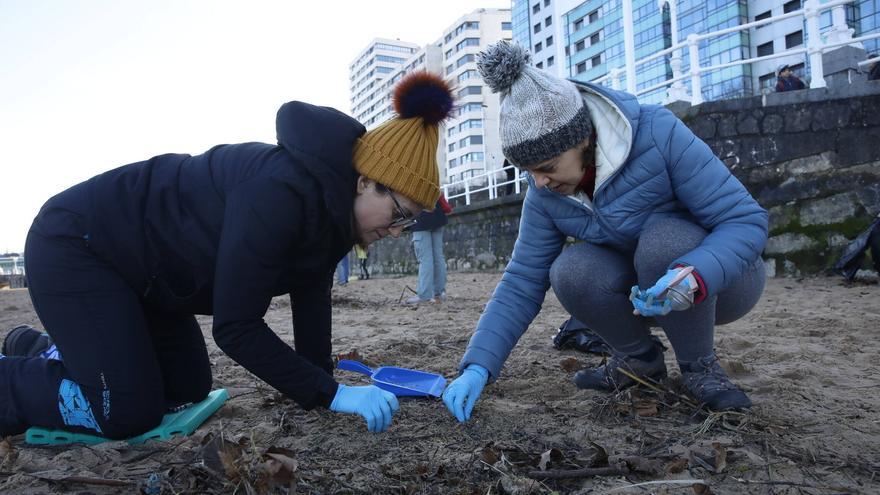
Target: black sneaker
point(707, 382)
point(26, 341)
point(608, 376)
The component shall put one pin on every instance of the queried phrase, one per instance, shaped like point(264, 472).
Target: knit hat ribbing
point(542, 116)
point(402, 153)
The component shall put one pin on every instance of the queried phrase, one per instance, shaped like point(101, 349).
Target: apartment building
point(587, 39)
point(469, 142)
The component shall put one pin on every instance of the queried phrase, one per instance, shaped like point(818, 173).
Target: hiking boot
point(707, 382)
point(26, 341)
point(608, 376)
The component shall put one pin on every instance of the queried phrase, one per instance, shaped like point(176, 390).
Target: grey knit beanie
point(542, 116)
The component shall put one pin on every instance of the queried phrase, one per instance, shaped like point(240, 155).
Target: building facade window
point(465, 59)
point(468, 74)
point(506, 26)
point(549, 61)
point(594, 39)
point(791, 6)
point(548, 41)
point(537, 28)
point(466, 43)
point(580, 45)
point(596, 61)
point(469, 91)
point(794, 39)
point(765, 49)
point(536, 8)
point(594, 16)
point(763, 15)
point(581, 67)
point(538, 46)
point(548, 21)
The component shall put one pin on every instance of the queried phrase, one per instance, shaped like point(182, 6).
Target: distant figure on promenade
point(362, 253)
point(119, 265)
point(428, 245)
point(511, 177)
point(874, 69)
point(670, 237)
point(786, 80)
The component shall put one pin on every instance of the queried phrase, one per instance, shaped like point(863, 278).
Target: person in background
point(786, 80)
point(670, 237)
point(874, 68)
point(362, 254)
point(428, 244)
point(343, 269)
point(119, 265)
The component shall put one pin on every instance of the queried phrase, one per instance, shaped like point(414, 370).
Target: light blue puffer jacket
point(649, 166)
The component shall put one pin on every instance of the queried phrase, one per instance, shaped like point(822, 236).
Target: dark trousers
point(124, 363)
point(593, 284)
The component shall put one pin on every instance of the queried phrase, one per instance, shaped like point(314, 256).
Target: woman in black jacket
point(118, 265)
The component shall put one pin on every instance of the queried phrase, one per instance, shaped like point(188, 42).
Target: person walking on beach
point(670, 237)
point(428, 245)
point(119, 265)
point(363, 255)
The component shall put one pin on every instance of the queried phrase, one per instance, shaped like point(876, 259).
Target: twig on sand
point(562, 474)
point(658, 482)
point(80, 479)
point(403, 293)
point(657, 389)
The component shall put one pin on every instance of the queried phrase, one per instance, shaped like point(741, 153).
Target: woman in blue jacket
point(649, 203)
point(118, 266)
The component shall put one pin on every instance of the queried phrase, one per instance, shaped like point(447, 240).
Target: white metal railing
point(839, 34)
point(487, 182)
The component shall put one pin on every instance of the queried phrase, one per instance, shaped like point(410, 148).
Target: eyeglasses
point(404, 218)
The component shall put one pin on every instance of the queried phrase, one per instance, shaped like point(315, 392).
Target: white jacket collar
point(613, 133)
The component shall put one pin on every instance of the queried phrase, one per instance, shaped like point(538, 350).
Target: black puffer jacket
point(223, 232)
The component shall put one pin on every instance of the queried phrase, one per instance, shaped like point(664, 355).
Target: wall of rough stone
point(811, 157)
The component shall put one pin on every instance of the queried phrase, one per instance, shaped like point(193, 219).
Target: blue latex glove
point(461, 395)
point(374, 404)
point(649, 303)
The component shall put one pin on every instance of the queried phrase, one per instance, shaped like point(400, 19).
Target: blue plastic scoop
point(402, 382)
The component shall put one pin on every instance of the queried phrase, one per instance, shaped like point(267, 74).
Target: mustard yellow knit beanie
point(402, 153)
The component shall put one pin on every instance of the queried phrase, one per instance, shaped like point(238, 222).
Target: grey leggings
point(593, 284)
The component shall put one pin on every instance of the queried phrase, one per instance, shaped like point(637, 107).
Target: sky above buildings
point(88, 85)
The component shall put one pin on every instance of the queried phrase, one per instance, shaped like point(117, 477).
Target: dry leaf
point(8, 454)
point(489, 455)
point(353, 355)
point(601, 457)
point(720, 457)
point(570, 364)
point(645, 407)
point(678, 465)
point(548, 457)
point(281, 467)
point(701, 489)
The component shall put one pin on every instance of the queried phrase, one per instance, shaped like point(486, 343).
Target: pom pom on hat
point(402, 152)
point(501, 64)
point(424, 95)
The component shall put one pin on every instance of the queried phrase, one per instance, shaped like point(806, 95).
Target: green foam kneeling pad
point(180, 423)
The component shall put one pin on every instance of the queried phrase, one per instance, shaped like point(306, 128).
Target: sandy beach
point(807, 355)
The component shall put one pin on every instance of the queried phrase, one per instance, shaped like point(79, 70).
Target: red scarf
point(588, 181)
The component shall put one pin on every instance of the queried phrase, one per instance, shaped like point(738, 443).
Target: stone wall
point(812, 158)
